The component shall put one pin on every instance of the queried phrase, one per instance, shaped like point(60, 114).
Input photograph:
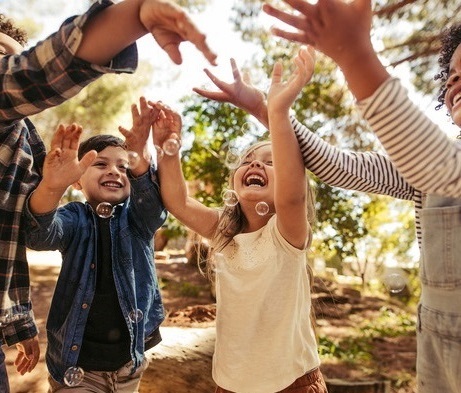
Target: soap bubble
point(159, 152)
point(136, 316)
point(133, 159)
point(73, 376)
point(230, 198)
point(232, 158)
point(171, 146)
point(262, 208)
point(104, 210)
point(395, 282)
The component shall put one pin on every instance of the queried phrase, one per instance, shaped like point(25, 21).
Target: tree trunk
point(340, 386)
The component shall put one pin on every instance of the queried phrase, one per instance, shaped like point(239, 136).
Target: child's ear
point(77, 185)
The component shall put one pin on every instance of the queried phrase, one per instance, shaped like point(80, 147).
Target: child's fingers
point(87, 159)
point(56, 141)
point(235, 70)
point(126, 133)
point(277, 72)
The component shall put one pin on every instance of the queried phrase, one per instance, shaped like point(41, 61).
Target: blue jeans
point(4, 385)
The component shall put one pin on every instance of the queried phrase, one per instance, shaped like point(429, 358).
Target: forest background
point(362, 234)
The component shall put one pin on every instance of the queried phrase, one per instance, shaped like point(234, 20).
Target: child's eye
point(269, 163)
point(123, 167)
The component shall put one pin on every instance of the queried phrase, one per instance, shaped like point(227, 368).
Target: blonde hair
point(232, 221)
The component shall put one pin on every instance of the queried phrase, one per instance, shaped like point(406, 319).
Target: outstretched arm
point(173, 187)
point(240, 93)
point(290, 177)
point(116, 27)
point(61, 169)
point(341, 30)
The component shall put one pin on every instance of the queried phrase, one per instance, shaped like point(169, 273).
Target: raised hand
point(167, 125)
point(136, 138)
point(170, 25)
point(240, 93)
point(62, 167)
point(341, 30)
point(282, 94)
point(338, 28)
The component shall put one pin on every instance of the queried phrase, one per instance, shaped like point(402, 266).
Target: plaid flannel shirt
point(44, 76)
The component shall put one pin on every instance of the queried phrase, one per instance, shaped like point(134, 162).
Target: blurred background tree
point(350, 225)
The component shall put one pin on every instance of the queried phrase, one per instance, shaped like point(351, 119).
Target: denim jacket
point(72, 229)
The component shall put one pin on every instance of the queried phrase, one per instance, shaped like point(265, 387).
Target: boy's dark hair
point(451, 38)
point(7, 27)
point(99, 143)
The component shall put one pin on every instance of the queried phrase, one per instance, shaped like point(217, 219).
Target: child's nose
point(257, 164)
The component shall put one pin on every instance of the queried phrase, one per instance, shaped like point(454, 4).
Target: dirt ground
point(182, 362)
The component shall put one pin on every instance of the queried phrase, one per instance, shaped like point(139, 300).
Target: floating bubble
point(136, 316)
point(171, 146)
point(245, 128)
point(395, 282)
point(73, 376)
point(104, 210)
point(232, 158)
point(262, 208)
point(230, 198)
point(133, 159)
point(159, 152)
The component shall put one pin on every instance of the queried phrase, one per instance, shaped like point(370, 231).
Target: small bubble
point(159, 152)
point(171, 146)
point(133, 159)
point(73, 376)
point(230, 198)
point(395, 282)
point(245, 128)
point(136, 316)
point(104, 210)
point(262, 208)
point(232, 158)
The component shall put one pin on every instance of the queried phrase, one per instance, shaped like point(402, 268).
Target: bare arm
point(120, 25)
point(60, 170)
point(290, 176)
point(173, 188)
point(341, 30)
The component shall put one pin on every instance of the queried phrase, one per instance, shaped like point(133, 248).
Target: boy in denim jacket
point(107, 308)
point(100, 41)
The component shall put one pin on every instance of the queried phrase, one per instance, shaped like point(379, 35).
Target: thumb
point(87, 159)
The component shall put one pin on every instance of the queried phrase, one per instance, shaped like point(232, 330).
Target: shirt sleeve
point(421, 151)
point(367, 172)
point(49, 73)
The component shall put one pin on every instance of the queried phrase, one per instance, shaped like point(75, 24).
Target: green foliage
point(172, 228)
point(389, 323)
point(357, 347)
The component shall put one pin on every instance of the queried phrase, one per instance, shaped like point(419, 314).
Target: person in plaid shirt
point(84, 48)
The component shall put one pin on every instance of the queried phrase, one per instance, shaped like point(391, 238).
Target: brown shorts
point(312, 382)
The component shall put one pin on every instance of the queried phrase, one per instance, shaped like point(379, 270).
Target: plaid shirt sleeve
point(49, 73)
point(39, 78)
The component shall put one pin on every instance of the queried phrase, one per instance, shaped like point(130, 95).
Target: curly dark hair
point(7, 27)
point(451, 39)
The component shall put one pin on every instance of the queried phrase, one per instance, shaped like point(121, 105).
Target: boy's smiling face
point(106, 178)
point(9, 46)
